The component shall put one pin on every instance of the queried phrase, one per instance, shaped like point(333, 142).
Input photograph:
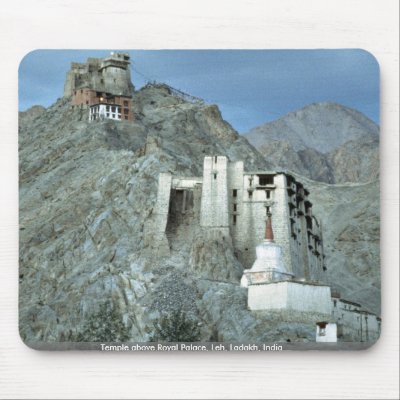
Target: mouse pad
point(202, 200)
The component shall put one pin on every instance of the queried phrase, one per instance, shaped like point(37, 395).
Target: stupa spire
point(269, 233)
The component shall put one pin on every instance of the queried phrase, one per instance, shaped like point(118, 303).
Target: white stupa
point(268, 266)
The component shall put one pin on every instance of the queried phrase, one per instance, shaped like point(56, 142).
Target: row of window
point(267, 193)
point(100, 95)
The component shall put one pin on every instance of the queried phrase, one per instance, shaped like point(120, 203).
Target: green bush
point(176, 327)
point(105, 325)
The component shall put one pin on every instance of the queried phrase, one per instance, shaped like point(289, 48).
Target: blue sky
point(249, 86)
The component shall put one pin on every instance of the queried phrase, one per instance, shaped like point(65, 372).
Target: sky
point(250, 87)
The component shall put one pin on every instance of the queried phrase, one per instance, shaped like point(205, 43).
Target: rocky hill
point(350, 216)
point(326, 142)
point(87, 193)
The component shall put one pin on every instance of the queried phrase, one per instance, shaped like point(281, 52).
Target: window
point(235, 207)
point(126, 111)
point(81, 91)
point(125, 103)
point(234, 192)
point(266, 180)
point(126, 117)
point(234, 220)
point(268, 208)
point(215, 175)
point(268, 194)
point(108, 108)
point(322, 328)
point(113, 109)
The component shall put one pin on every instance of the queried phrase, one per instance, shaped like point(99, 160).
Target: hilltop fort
point(102, 86)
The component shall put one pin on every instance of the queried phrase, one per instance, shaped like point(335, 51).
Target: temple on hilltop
point(103, 87)
point(268, 218)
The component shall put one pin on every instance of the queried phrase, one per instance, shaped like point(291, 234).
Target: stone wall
point(111, 75)
point(287, 295)
point(214, 200)
point(237, 219)
point(354, 323)
point(162, 208)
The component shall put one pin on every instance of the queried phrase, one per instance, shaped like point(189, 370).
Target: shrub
point(105, 325)
point(176, 327)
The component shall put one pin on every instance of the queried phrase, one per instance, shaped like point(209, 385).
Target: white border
point(26, 25)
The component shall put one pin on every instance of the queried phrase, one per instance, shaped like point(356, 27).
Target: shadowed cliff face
point(87, 193)
point(326, 142)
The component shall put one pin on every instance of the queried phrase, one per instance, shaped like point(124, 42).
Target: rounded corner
point(373, 344)
point(25, 56)
point(26, 343)
point(371, 56)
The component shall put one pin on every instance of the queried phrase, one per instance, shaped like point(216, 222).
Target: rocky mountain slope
point(350, 216)
point(324, 141)
point(87, 194)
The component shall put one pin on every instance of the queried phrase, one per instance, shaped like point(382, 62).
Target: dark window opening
point(234, 220)
point(215, 159)
point(266, 179)
point(234, 192)
point(215, 175)
point(87, 102)
point(126, 111)
point(126, 117)
point(235, 207)
point(268, 208)
point(101, 80)
point(268, 193)
point(322, 328)
point(125, 103)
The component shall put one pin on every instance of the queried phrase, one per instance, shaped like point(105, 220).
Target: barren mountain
point(87, 193)
point(326, 142)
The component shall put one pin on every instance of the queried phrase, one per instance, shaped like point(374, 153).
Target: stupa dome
point(268, 265)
